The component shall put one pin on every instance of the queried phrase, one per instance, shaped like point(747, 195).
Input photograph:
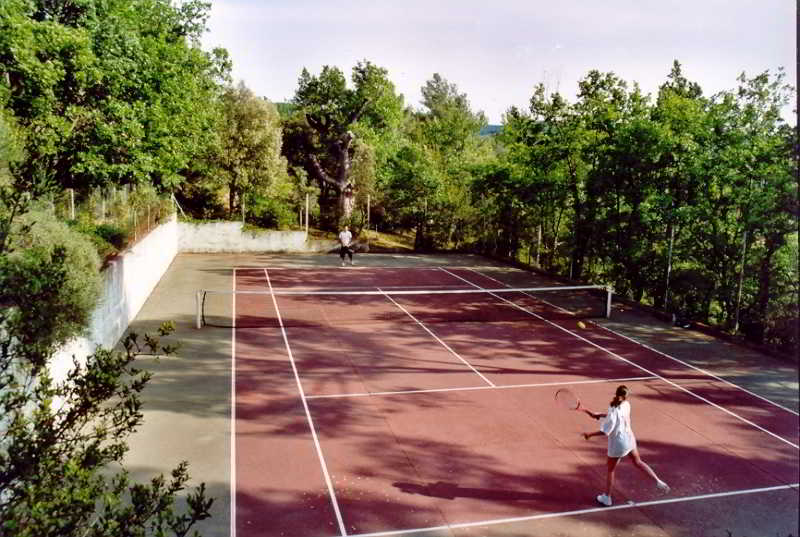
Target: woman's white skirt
point(620, 445)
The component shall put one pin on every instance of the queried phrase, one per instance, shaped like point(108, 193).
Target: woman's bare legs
point(644, 467)
point(612, 467)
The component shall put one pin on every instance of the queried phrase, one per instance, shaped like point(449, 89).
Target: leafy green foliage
point(269, 213)
point(108, 92)
point(107, 238)
point(61, 435)
point(426, 182)
point(113, 235)
point(673, 203)
point(250, 159)
point(91, 93)
point(50, 283)
point(319, 138)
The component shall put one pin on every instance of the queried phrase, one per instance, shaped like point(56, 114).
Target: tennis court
point(412, 401)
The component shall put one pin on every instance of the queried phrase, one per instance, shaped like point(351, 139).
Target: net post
point(608, 302)
point(198, 302)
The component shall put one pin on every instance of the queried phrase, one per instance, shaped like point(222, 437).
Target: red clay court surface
point(408, 427)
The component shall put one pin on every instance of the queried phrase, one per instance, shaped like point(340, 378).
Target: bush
point(50, 281)
point(201, 200)
point(107, 239)
point(269, 213)
point(112, 234)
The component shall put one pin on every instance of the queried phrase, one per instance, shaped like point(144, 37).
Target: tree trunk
point(773, 242)
point(231, 200)
point(340, 176)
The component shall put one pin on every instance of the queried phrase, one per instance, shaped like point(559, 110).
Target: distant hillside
point(490, 130)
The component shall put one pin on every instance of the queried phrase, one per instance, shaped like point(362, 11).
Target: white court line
point(687, 364)
point(233, 407)
point(445, 345)
point(472, 388)
point(712, 375)
point(512, 520)
point(328, 482)
point(593, 344)
point(362, 288)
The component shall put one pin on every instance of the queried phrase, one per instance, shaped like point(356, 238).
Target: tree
point(681, 113)
point(250, 155)
point(322, 135)
point(108, 92)
point(765, 197)
point(446, 133)
point(62, 439)
point(411, 183)
point(448, 122)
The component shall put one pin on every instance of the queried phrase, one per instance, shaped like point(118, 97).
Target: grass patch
point(389, 242)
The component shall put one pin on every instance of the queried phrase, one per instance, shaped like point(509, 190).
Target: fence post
point(71, 204)
point(538, 246)
point(741, 281)
point(306, 215)
point(198, 303)
point(669, 267)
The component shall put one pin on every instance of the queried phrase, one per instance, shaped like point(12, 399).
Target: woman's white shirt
point(617, 426)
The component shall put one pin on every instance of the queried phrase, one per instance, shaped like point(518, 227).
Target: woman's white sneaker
point(604, 499)
point(663, 487)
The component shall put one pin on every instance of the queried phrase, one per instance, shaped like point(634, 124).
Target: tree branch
point(321, 174)
point(356, 114)
point(343, 147)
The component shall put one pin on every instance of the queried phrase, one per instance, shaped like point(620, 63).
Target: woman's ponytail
point(619, 396)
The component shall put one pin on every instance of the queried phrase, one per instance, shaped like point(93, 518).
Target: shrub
point(49, 279)
point(112, 234)
point(269, 213)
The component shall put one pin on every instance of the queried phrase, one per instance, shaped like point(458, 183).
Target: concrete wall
point(131, 277)
point(127, 282)
point(230, 237)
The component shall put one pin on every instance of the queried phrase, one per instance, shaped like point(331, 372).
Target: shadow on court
point(445, 460)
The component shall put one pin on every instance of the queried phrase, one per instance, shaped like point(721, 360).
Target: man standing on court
point(345, 239)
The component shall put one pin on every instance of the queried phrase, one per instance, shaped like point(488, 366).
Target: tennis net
point(330, 307)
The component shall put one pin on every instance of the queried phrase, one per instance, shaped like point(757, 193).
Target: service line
point(615, 355)
point(473, 388)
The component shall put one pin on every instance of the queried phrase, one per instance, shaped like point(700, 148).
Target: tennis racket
point(568, 399)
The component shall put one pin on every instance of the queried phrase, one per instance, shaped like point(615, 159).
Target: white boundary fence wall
point(128, 281)
point(130, 278)
point(213, 237)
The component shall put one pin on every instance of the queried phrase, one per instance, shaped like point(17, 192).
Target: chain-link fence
point(120, 215)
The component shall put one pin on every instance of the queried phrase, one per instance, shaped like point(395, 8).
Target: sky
point(498, 51)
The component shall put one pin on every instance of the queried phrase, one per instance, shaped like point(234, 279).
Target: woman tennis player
point(616, 424)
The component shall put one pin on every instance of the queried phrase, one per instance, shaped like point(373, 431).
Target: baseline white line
point(233, 407)
point(328, 482)
point(511, 520)
point(472, 388)
point(445, 345)
point(593, 344)
point(634, 340)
